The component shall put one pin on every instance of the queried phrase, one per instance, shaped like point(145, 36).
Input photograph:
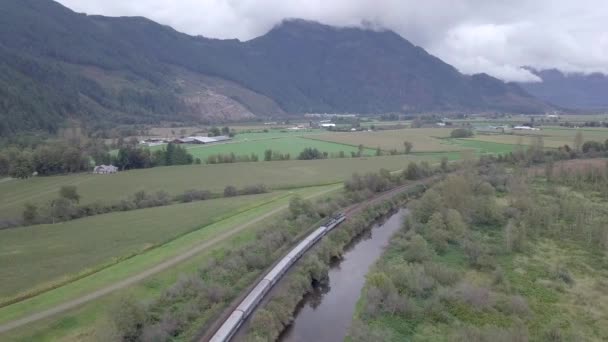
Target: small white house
point(105, 169)
point(327, 125)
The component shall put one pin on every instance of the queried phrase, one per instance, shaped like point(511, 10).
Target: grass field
point(280, 142)
point(88, 321)
point(552, 136)
point(176, 179)
point(424, 139)
point(37, 255)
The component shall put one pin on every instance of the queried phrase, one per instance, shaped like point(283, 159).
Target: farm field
point(475, 146)
point(88, 321)
point(176, 179)
point(424, 139)
point(285, 143)
point(553, 137)
point(41, 254)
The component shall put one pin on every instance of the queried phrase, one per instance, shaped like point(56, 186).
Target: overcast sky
point(492, 36)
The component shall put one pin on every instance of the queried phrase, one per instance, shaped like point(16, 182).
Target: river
point(326, 314)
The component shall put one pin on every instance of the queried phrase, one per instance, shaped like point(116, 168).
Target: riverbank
point(270, 321)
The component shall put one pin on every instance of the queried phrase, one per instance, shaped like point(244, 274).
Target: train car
point(254, 297)
point(336, 220)
point(229, 328)
point(275, 274)
point(300, 248)
point(316, 235)
point(246, 307)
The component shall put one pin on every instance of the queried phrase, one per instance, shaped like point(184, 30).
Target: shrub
point(412, 171)
point(193, 195)
point(417, 249)
point(517, 333)
point(478, 297)
point(361, 332)
point(30, 214)
point(461, 133)
point(473, 250)
point(253, 189)
point(561, 273)
point(441, 273)
point(230, 191)
point(69, 192)
point(129, 317)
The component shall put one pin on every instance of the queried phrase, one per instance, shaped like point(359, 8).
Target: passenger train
point(246, 307)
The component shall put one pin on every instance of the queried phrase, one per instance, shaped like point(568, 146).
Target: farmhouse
point(105, 169)
point(326, 125)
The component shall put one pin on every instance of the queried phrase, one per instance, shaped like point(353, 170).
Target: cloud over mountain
point(495, 37)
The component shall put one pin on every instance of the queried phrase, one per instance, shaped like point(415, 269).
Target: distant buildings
point(327, 125)
point(105, 169)
point(525, 128)
point(153, 142)
point(201, 140)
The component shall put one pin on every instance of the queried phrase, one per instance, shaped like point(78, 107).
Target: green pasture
point(291, 145)
point(43, 254)
point(423, 139)
point(89, 321)
point(176, 179)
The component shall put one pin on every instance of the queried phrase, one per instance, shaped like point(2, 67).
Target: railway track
point(247, 305)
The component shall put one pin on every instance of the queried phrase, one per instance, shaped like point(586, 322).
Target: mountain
point(56, 64)
point(570, 90)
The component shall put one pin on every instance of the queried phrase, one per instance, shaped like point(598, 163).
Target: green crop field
point(35, 255)
point(259, 142)
point(424, 139)
point(483, 147)
point(87, 321)
point(176, 179)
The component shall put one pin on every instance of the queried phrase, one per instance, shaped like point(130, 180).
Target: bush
point(129, 317)
point(30, 214)
point(194, 195)
point(478, 297)
point(69, 192)
point(254, 189)
point(230, 191)
point(417, 249)
point(441, 273)
point(461, 133)
point(412, 171)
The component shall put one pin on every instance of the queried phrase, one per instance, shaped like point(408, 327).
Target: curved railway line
point(247, 305)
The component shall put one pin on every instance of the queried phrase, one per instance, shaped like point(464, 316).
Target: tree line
point(70, 157)
point(66, 206)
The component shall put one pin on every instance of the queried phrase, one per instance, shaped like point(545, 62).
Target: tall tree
point(407, 146)
point(578, 141)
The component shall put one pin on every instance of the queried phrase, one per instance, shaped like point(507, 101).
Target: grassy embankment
point(42, 256)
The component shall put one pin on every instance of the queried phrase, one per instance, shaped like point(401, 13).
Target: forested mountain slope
point(574, 90)
point(57, 64)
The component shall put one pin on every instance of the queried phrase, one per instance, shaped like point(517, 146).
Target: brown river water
point(326, 314)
